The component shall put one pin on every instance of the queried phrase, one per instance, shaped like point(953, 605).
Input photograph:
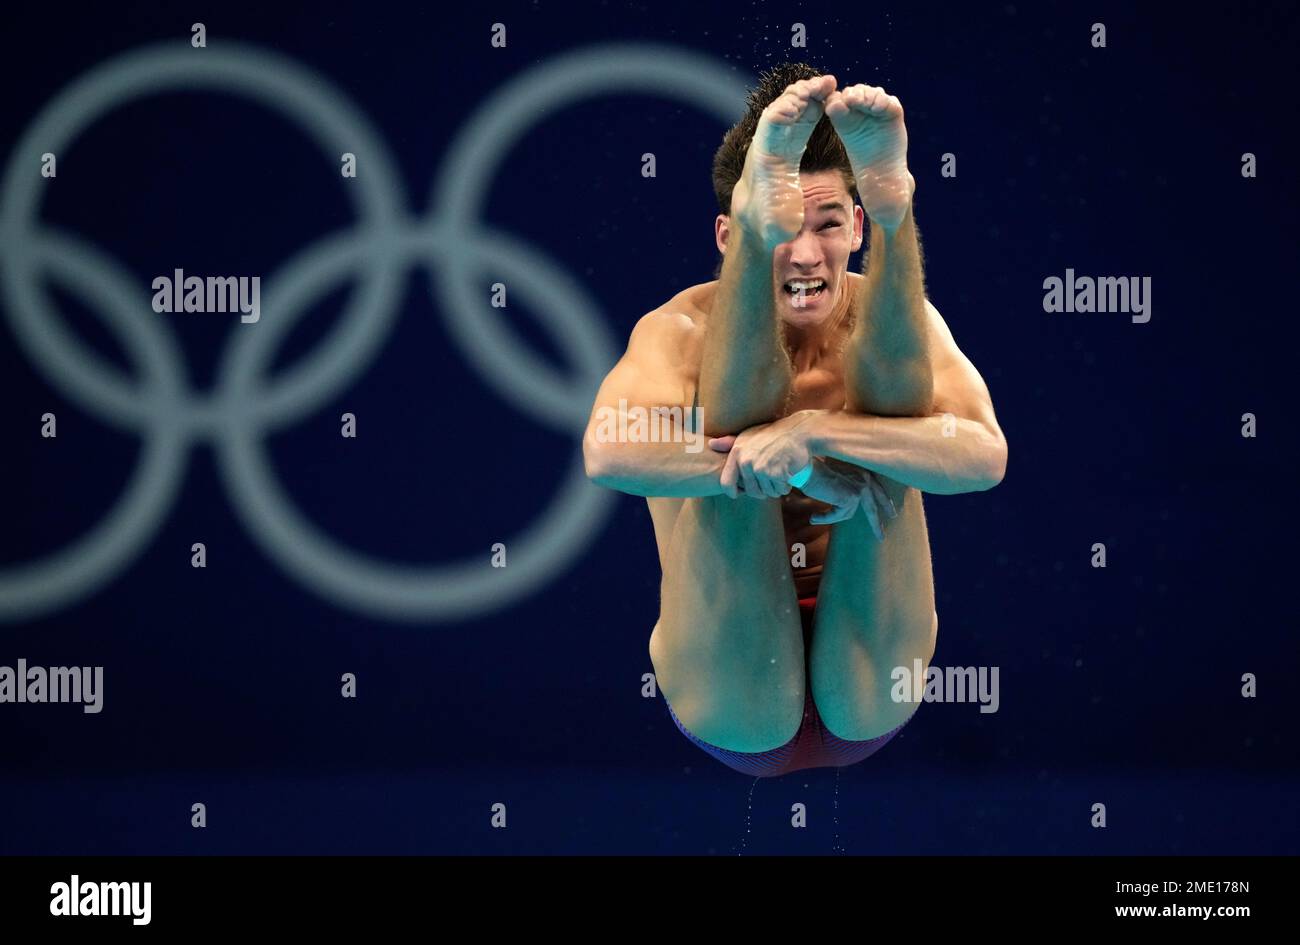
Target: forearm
point(938, 454)
point(887, 364)
point(745, 373)
point(682, 469)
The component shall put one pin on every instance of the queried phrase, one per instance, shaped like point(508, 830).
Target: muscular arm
point(958, 448)
point(653, 373)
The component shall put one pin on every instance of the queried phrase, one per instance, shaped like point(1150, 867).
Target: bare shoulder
point(673, 332)
point(940, 327)
point(958, 385)
point(692, 303)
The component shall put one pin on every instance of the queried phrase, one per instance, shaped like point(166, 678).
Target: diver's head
point(833, 221)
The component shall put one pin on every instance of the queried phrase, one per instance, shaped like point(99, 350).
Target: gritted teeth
point(804, 285)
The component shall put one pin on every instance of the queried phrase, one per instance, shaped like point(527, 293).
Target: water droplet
point(836, 848)
point(748, 811)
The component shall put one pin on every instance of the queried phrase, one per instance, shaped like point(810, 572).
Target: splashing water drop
point(835, 808)
point(748, 811)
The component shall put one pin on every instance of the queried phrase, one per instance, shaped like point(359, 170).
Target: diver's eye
point(826, 225)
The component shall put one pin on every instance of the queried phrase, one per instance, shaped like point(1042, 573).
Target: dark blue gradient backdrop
point(1119, 686)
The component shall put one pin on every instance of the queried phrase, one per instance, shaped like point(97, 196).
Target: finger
point(771, 487)
point(839, 513)
point(873, 514)
point(722, 444)
point(775, 488)
point(886, 504)
point(728, 479)
point(751, 482)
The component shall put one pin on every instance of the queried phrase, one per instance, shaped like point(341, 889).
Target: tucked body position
point(794, 550)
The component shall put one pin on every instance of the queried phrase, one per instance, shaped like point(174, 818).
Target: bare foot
point(767, 200)
point(870, 123)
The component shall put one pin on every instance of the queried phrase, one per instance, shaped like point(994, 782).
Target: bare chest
point(817, 385)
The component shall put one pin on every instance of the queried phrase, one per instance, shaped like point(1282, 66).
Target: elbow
point(599, 461)
point(996, 456)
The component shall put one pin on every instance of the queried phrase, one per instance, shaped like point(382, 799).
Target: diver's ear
point(721, 231)
point(858, 217)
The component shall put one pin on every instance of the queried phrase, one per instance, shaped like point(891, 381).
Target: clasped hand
point(761, 460)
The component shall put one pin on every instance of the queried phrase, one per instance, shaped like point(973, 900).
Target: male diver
point(795, 556)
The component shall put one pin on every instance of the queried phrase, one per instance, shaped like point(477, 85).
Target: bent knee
point(736, 723)
point(735, 729)
point(866, 718)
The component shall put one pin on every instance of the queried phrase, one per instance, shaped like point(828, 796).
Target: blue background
point(1119, 686)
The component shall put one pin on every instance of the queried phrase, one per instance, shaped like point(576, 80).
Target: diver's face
point(810, 272)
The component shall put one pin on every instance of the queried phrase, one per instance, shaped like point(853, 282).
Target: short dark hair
point(824, 151)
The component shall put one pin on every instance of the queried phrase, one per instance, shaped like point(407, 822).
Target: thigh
point(875, 611)
point(728, 649)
